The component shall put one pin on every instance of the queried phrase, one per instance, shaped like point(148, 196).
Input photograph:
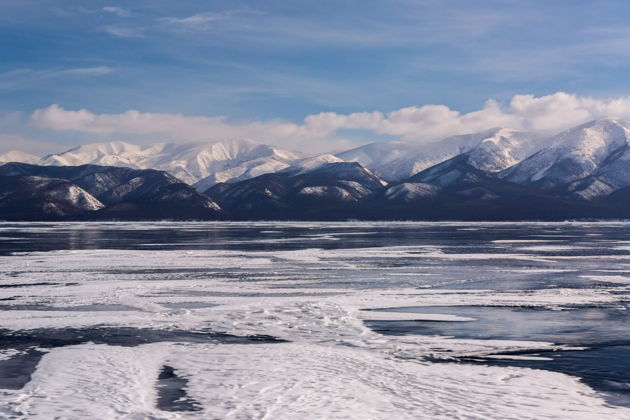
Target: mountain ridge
point(499, 174)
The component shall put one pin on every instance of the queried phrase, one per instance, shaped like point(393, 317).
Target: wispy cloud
point(22, 77)
point(119, 31)
point(412, 28)
point(118, 11)
point(196, 21)
point(87, 71)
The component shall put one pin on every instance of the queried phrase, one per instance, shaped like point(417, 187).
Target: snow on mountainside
point(328, 191)
point(393, 160)
point(115, 153)
point(492, 151)
point(311, 163)
point(126, 191)
point(234, 160)
point(18, 156)
point(567, 161)
point(410, 191)
point(231, 161)
point(595, 148)
point(24, 197)
point(502, 148)
point(223, 161)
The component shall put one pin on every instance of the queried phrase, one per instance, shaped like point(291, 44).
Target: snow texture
point(333, 366)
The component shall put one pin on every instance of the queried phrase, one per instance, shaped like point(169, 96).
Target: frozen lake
point(315, 320)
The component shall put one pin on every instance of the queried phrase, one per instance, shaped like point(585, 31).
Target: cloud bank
point(324, 131)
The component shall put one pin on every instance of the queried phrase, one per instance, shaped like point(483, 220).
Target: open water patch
point(601, 335)
point(172, 395)
point(605, 368)
point(578, 326)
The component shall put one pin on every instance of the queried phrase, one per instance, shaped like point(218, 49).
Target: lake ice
point(314, 320)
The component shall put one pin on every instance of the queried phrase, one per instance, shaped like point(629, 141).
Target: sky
point(308, 75)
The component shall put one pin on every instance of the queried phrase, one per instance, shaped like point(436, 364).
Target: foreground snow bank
point(292, 380)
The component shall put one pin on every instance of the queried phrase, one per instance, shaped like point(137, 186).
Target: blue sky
point(253, 61)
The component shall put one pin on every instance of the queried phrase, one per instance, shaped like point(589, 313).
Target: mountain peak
point(573, 154)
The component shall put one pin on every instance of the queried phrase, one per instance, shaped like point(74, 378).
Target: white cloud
point(88, 71)
point(320, 132)
point(118, 11)
point(122, 31)
point(198, 21)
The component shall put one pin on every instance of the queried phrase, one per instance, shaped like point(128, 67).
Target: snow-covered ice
point(312, 292)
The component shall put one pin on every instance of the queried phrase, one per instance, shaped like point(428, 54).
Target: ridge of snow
point(304, 165)
point(573, 154)
point(491, 150)
point(206, 164)
point(77, 196)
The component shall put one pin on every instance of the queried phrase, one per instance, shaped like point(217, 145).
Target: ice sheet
point(333, 365)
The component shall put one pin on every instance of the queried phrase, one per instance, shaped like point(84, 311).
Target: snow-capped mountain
point(120, 192)
point(331, 190)
point(229, 161)
point(597, 148)
point(455, 176)
point(116, 153)
point(205, 164)
point(34, 197)
point(492, 151)
point(499, 173)
point(501, 148)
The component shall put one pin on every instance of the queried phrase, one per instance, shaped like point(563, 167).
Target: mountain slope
point(116, 153)
point(492, 150)
point(330, 191)
point(304, 165)
point(457, 190)
point(36, 198)
point(455, 177)
point(573, 155)
point(127, 192)
point(233, 160)
point(207, 164)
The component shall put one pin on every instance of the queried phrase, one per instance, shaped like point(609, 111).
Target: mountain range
point(499, 174)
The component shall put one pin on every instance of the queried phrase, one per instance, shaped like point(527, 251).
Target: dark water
point(172, 395)
point(28, 237)
point(605, 368)
point(604, 364)
point(575, 326)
